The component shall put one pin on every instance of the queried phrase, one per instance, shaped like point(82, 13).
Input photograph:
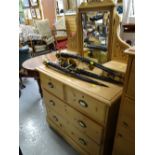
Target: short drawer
point(86, 104)
point(123, 146)
point(83, 141)
point(83, 123)
point(52, 85)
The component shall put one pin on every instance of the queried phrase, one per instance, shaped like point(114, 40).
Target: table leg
point(39, 84)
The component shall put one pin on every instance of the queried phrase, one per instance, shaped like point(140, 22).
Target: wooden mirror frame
point(116, 45)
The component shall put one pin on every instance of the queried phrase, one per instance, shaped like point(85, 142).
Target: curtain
point(128, 11)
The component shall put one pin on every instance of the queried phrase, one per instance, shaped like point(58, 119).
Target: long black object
point(97, 47)
point(88, 61)
point(84, 72)
point(77, 75)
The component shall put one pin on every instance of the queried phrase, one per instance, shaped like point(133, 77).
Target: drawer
point(66, 137)
point(127, 114)
point(82, 140)
point(52, 85)
point(84, 124)
point(131, 83)
point(126, 132)
point(128, 107)
point(86, 104)
point(123, 147)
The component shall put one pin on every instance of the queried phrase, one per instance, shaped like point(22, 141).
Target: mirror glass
point(95, 34)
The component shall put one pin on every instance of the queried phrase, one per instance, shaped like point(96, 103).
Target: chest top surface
point(104, 94)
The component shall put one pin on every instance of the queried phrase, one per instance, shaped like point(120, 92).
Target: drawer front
point(83, 141)
point(87, 105)
point(128, 107)
point(84, 124)
point(123, 147)
point(131, 83)
point(66, 137)
point(52, 85)
point(127, 114)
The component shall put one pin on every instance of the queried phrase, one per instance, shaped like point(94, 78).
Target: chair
point(60, 33)
point(29, 35)
point(43, 28)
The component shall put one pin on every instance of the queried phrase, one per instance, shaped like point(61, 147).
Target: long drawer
point(84, 124)
point(59, 129)
point(52, 85)
point(82, 140)
point(86, 104)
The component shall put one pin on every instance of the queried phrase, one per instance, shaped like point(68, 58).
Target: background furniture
point(84, 114)
point(125, 133)
point(31, 65)
point(24, 54)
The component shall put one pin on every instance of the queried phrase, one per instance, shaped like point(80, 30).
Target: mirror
point(95, 25)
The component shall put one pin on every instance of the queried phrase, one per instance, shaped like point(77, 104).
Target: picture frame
point(33, 13)
point(26, 3)
point(38, 13)
point(34, 3)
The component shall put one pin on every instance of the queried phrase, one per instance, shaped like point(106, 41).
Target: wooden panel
point(71, 23)
point(83, 141)
point(131, 82)
point(52, 85)
point(128, 108)
point(87, 105)
point(66, 137)
point(80, 121)
point(123, 147)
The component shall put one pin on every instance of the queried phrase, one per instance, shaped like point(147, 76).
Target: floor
point(35, 136)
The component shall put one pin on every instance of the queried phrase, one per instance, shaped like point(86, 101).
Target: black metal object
point(88, 61)
point(97, 47)
point(72, 73)
point(93, 75)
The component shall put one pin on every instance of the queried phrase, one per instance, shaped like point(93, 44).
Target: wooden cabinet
point(125, 133)
point(83, 114)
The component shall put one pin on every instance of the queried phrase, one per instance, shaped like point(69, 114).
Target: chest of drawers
point(82, 113)
point(125, 134)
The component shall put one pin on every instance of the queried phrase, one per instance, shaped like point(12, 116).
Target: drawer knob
point(83, 103)
point(50, 85)
point(52, 102)
point(55, 118)
point(82, 124)
point(82, 141)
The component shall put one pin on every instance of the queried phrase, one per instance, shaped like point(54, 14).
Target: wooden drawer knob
point(83, 103)
point(52, 102)
point(50, 85)
point(82, 141)
point(82, 124)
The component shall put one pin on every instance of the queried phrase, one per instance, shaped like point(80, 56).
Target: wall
point(49, 12)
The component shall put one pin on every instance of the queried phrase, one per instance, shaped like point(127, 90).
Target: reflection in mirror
point(95, 34)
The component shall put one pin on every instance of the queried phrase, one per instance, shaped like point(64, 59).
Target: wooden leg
point(40, 90)
point(37, 78)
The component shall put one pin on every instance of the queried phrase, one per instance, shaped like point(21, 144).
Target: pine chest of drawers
point(82, 113)
point(124, 143)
